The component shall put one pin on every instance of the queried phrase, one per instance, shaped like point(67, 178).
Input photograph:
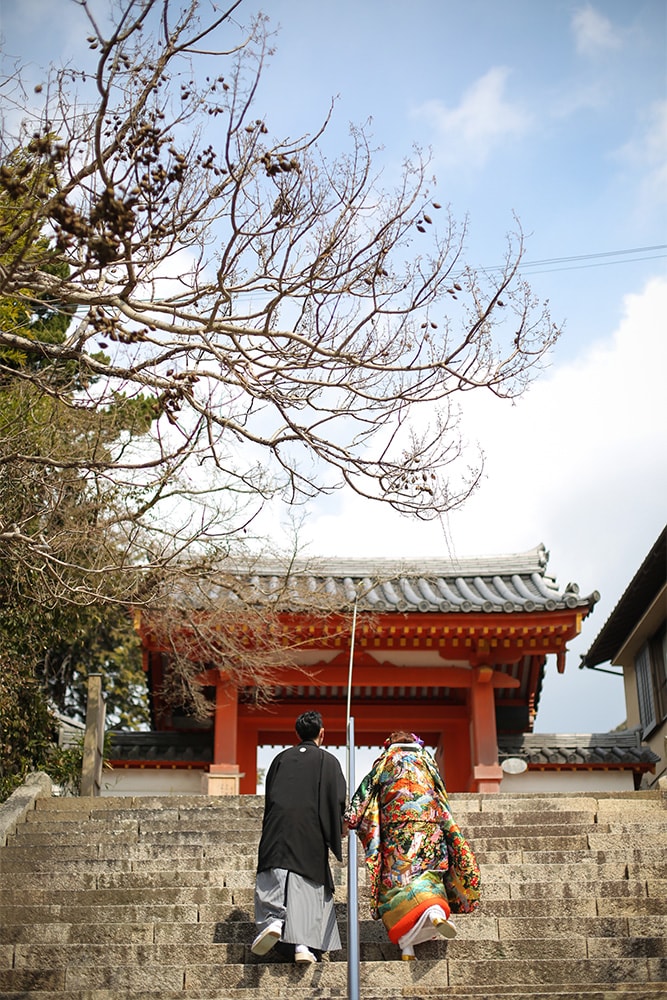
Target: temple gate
point(454, 650)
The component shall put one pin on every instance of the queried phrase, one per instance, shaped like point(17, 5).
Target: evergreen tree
point(49, 505)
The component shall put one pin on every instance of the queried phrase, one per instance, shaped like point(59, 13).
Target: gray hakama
point(306, 908)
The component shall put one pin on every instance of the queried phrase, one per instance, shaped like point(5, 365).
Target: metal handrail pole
point(350, 787)
point(352, 886)
point(352, 874)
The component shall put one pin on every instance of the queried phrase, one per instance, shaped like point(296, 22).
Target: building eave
point(639, 595)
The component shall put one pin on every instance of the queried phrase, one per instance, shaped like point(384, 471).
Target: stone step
point(295, 991)
point(238, 887)
point(96, 878)
point(230, 942)
point(181, 914)
point(476, 823)
point(148, 898)
point(553, 908)
point(567, 992)
point(78, 958)
point(71, 821)
point(130, 892)
point(160, 803)
point(193, 956)
point(243, 844)
point(603, 899)
point(396, 974)
point(645, 991)
point(45, 905)
point(237, 831)
point(200, 871)
point(229, 923)
point(219, 811)
point(23, 856)
point(209, 867)
point(234, 925)
point(498, 875)
point(613, 898)
point(552, 808)
point(200, 980)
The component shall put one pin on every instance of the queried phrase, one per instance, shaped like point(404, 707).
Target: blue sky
point(552, 111)
point(557, 112)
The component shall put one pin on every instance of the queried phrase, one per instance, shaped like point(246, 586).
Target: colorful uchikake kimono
point(415, 852)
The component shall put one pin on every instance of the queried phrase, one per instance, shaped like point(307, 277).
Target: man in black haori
point(303, 820)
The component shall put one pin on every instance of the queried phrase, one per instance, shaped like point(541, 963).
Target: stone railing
point(12, 812)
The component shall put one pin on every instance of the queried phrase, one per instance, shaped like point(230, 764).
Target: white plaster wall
point(151, 781)
point(568, 781)
point(154, 781)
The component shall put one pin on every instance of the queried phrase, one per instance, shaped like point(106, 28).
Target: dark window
point(658, 647)
point(645, 688)
point(651, 670)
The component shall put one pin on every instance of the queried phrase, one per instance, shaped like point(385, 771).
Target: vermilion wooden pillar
point(486, 772)
point(247, 758)
point(453, 753)
point(224, 774)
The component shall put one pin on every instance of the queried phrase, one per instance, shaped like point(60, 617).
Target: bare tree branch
point(237, 316)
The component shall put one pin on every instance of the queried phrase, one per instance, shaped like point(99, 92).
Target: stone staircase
point(151, 899)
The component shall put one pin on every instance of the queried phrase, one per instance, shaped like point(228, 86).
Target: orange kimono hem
point(409, 919)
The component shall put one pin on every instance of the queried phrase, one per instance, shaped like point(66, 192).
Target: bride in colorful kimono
point(421, 867)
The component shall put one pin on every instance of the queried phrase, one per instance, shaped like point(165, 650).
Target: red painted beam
point(372, 717)
point(383, 675)
point(424, 630)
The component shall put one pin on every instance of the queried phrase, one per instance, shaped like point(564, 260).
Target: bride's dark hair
point(402, 736)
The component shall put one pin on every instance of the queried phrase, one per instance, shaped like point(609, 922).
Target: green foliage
point(65, 766)
point(51, 499)
point(62, 641)
point(28, 728)
point(26, 179)
point(62, 645)
point(29, 734)
point(97, 639)
point(45, 658)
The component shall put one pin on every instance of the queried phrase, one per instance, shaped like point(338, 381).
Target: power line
point(603, 259)
point(577, 262)
point(606, 253)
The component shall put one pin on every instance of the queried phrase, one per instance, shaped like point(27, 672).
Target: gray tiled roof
point(510, 583)
point(190, 747)
point(621, 749)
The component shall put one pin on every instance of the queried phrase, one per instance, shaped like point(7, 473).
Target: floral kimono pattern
point(415, 852)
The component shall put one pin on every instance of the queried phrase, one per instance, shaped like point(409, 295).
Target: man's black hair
point(308, 725)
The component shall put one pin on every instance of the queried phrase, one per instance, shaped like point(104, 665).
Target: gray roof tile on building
point(179, 747)
point(622, 749)
point(615, 749)
point(510, 583)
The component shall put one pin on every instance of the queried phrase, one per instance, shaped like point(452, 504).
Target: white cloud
point(484, 119)
point(593, 32)
point(584, 439)
point(648, 154)
point(578, 464)
point(579, 442)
